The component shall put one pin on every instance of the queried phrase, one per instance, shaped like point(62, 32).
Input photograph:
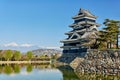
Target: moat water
point(46, 72)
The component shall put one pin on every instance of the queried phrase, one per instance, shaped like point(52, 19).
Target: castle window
point(84, 19)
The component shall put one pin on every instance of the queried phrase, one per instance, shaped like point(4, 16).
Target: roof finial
point(80, 10)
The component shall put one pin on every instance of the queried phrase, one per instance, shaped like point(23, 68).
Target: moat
point(46, 72)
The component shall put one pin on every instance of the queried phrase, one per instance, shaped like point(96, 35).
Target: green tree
point(102, 41)
point(8, 55)
point(111, 32)
point(17, 55)
point(1, 55)
point(29, 55)
point(108, 36)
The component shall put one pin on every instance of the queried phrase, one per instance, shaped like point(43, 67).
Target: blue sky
point(44, 22)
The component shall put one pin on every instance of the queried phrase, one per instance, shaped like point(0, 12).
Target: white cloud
point(26, 45)
point(12, 44)
point(20, 47)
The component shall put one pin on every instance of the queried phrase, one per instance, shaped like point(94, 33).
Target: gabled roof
point(75, 34)
point(84, 13)
point(91, 35)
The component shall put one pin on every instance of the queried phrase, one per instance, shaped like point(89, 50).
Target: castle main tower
point(84, 26)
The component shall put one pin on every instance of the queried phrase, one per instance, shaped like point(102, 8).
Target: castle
point(84, 29)
point(82, 36)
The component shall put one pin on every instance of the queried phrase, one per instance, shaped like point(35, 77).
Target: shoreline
point(22, 62)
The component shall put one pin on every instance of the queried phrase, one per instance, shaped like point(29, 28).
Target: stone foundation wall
point(100, 62)
point(70, 57)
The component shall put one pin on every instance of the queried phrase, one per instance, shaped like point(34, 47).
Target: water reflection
point(29, 68)
point(16, 68)
point(8, 69)
point(68, 73)
point(46, 72)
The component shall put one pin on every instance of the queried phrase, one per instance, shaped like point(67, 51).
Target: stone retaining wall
point(100, 62)
point(69, 57)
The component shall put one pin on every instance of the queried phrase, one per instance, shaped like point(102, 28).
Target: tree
point(29, 55)
point(0, 57)
point(8, 55)
point(111, 32)
point(108, 36)
point(17, 55)
point(102, 41)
